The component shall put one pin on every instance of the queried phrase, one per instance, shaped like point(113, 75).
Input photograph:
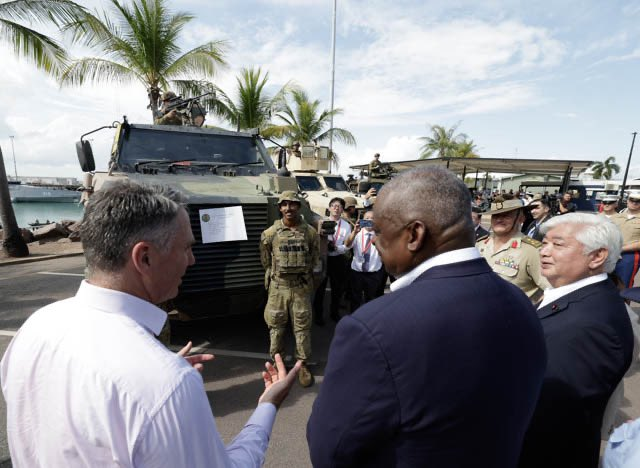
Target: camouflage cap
point(501, 205)
point(349, 202)
point(289, 195)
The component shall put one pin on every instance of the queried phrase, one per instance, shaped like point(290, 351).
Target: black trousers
point(366, 287)
point(337, 270)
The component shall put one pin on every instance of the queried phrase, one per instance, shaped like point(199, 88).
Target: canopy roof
point(495, 165)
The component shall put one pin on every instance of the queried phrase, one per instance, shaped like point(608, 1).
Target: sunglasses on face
point(608, 202)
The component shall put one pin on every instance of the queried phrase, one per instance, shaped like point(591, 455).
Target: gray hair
point(598, 233)
point(432, 194)
point(123, 214)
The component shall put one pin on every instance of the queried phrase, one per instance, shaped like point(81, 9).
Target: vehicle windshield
point(336, 183)
point(143, 144)
point(308, 183)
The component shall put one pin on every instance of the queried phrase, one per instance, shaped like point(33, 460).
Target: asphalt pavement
point(232, 381)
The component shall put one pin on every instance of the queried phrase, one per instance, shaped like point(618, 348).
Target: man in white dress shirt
point(367, 276)
point(86, 382)
point(337, 265)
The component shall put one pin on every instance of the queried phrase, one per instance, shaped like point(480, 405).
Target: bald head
point(435, 204)
point(433, 195)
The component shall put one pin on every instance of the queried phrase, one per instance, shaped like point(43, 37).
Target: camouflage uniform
point(289, 256)
point(518, 262)
point(169, 119)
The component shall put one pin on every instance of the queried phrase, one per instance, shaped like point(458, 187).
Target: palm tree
point(45, 52)
point(253, 108)
point(305, 123)
point(12, 244)
point(605, 169)
point(442, 141)
point(139, 42)
point(47, 55)
point(466, 149)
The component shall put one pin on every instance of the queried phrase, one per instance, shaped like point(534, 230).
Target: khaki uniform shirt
point(630, 227)
point(518, 262)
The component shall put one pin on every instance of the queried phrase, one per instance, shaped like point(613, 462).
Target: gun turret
point(190, 109)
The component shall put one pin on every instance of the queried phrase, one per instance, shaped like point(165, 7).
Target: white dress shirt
point(343, 230)
point(88, 385)
point(454, 256)
point(362, 241)
point(553, 294)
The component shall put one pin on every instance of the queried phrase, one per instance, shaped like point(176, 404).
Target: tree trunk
point(12, 244)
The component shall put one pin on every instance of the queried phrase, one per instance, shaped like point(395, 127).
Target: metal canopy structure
point(465, 166)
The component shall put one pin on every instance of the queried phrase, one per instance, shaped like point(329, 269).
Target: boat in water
point(19, 192)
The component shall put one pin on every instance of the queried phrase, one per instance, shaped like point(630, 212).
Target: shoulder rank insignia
point(484, 238)
point(528, 240)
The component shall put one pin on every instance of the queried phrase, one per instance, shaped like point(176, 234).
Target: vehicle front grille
point(226, 265)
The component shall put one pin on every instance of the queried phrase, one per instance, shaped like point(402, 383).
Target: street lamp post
point(15, 168)
point(626, 171)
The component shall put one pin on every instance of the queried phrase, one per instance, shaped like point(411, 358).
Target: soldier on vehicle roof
point(289, 251)
point(167, 118)
point(511, 254)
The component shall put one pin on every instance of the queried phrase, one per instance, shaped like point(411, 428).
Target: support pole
point(626, 171)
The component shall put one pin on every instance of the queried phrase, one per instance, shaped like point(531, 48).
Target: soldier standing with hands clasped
point(289, 251)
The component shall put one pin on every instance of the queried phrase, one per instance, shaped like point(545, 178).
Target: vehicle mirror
point(85, 156)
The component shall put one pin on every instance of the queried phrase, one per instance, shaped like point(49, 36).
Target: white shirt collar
point(117, 302)
point(553, 294)
point(454, 256)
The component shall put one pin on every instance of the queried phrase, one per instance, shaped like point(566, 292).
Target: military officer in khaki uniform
point(289, 251)
point(511, 254)
point(629, 224)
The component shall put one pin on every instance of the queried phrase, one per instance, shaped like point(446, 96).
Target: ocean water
point(30, 212)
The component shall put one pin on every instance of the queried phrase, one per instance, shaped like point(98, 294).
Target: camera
point(331, 246)
point(366, 223)
point(328, 227)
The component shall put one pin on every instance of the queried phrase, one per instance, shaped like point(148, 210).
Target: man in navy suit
point(444, 371)
point(588, 337)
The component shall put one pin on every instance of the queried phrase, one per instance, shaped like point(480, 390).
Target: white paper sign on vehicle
point(222, 224)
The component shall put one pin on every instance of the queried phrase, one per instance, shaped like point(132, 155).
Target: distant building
point(37, 180)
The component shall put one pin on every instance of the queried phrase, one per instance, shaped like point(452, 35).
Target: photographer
point(367, 275)
point(337, 267)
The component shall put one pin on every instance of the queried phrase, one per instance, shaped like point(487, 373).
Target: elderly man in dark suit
point(589, 341)
point(445, 370)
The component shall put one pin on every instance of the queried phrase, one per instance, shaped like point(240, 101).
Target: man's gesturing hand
point(277, 382)
point(197, 359)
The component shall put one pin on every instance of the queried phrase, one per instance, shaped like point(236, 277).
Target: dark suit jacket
point(442, 373)
point(537, 235)
point(481, 232)
point(589, 347)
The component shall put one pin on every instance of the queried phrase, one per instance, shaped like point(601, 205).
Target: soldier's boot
point(305, 377)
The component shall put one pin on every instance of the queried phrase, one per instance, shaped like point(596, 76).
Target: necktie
point(366, 255)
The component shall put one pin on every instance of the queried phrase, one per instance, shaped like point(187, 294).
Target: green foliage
point(605, 169)
point(139, 42)
point(253, 108)
point(16, 19)
point(444, 142)
point(303, 121)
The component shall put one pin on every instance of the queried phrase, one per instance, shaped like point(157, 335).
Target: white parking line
point(60, 274)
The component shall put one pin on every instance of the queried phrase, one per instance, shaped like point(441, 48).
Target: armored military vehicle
point(224, 175)
point(309, 167)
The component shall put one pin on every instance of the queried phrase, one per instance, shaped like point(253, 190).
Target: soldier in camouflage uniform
point(289, 251)
point(511, 254)
point(167, 118)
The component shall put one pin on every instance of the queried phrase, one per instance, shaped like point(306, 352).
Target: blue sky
point(522, 79)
